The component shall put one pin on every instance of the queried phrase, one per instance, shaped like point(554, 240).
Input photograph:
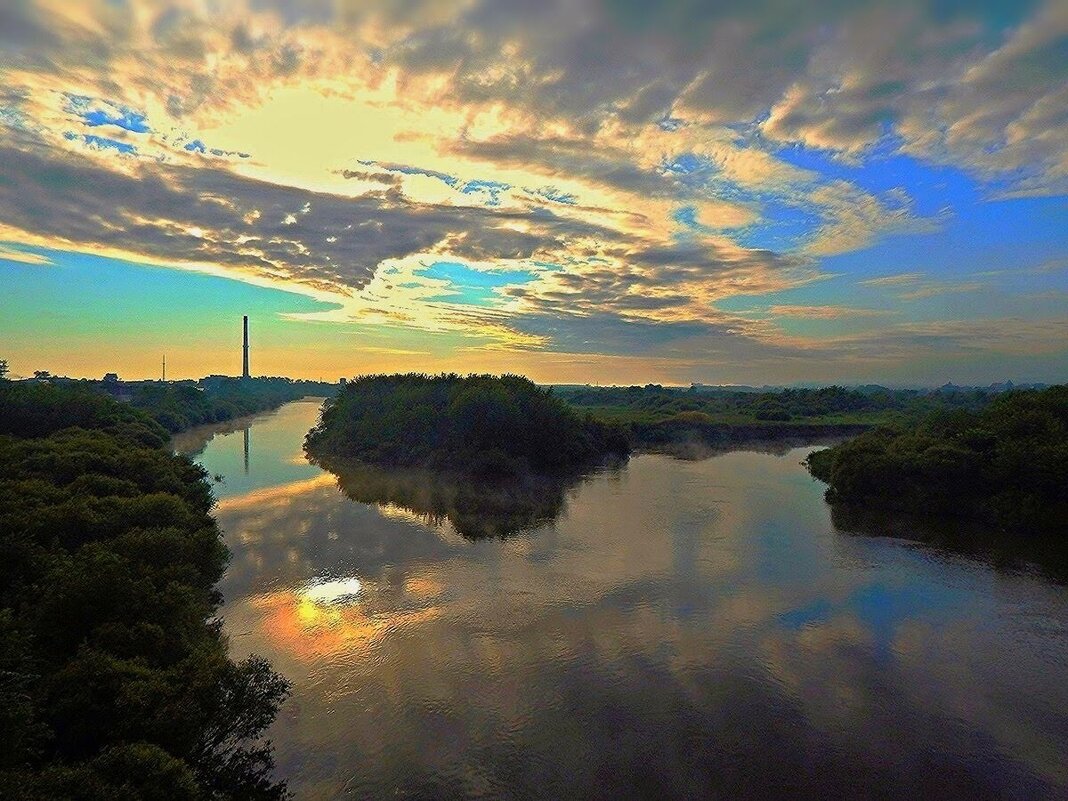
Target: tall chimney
point(244, 371)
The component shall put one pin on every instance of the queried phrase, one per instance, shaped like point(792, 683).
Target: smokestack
point(244, 371)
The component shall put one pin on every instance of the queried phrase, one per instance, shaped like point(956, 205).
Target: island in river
point(484, 426)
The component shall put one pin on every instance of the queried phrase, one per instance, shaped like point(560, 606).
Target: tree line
point(178, 406)
point(654, 403)
point(1006, 465)
point(115, 681)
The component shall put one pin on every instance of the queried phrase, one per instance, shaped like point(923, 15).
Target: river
point(668, 629)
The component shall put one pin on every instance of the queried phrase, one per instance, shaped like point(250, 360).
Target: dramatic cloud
point(606, 174)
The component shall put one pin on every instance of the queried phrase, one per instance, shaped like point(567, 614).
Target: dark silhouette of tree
point(1006, 465)
point(114, 677)
point(480, 425)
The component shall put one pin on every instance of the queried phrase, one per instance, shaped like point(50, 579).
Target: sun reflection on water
point(331, 592)
point(329, 617)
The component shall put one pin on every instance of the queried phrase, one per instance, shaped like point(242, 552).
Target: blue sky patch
point(472, 287)
point(111, 114)
point(102, 142)
point(492, 189)
point(128, 119)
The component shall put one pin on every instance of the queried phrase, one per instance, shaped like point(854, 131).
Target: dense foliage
point(481, 425)
point(1006, 464)
point(178, 406)
point(37, 410)
point(114, 676)
point(653, 403)
point(696, 419)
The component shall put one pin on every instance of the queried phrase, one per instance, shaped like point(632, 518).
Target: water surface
point(671, 629)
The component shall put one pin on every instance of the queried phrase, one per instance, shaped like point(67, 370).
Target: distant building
point(111, 378)
point(244, 365)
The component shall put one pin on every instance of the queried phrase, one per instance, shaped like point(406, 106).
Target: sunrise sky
point(604, 192)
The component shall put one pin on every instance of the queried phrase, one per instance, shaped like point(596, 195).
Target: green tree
point(114, 680)
point(1004, 465)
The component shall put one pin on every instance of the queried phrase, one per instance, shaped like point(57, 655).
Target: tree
point(115, 682)
point(3, 369)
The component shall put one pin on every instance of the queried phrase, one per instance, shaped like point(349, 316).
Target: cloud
point(824, 312)
point(23, 256)
point(893, 280)
point(916, 286)
point(628, 156)
point(181, 214)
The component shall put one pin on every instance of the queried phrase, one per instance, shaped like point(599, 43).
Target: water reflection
point(275, 458)
point(473, 509)
point(334, 618)
point(677, 629)
point(332, 591)
point(1009, 550)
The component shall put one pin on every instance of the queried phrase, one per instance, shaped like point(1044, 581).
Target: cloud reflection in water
point(684, 628)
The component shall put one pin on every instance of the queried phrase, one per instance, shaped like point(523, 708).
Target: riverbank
point(116, 679)
point(1002, 468)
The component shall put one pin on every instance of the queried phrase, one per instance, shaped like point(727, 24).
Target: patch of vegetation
point(678, 419)
point(653, 403)
point(178, 406)
point(480, 425)
point(1005, 465)
point(114, 677)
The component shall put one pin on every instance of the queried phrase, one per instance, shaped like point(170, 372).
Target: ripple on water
point(674, 629)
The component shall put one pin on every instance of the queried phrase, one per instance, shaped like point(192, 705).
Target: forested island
point(483, 426)
point(1004, 466)
point(114, 677)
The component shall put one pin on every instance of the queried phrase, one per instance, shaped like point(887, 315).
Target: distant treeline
point(654, 403)
point(179, 405)
point(1006, 465)
point(114, 677)
point(480, 425)
point(676, 419)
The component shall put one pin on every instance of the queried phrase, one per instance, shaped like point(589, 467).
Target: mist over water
point(669, 629)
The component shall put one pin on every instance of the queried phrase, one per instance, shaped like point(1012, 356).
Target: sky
point(583, 191)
